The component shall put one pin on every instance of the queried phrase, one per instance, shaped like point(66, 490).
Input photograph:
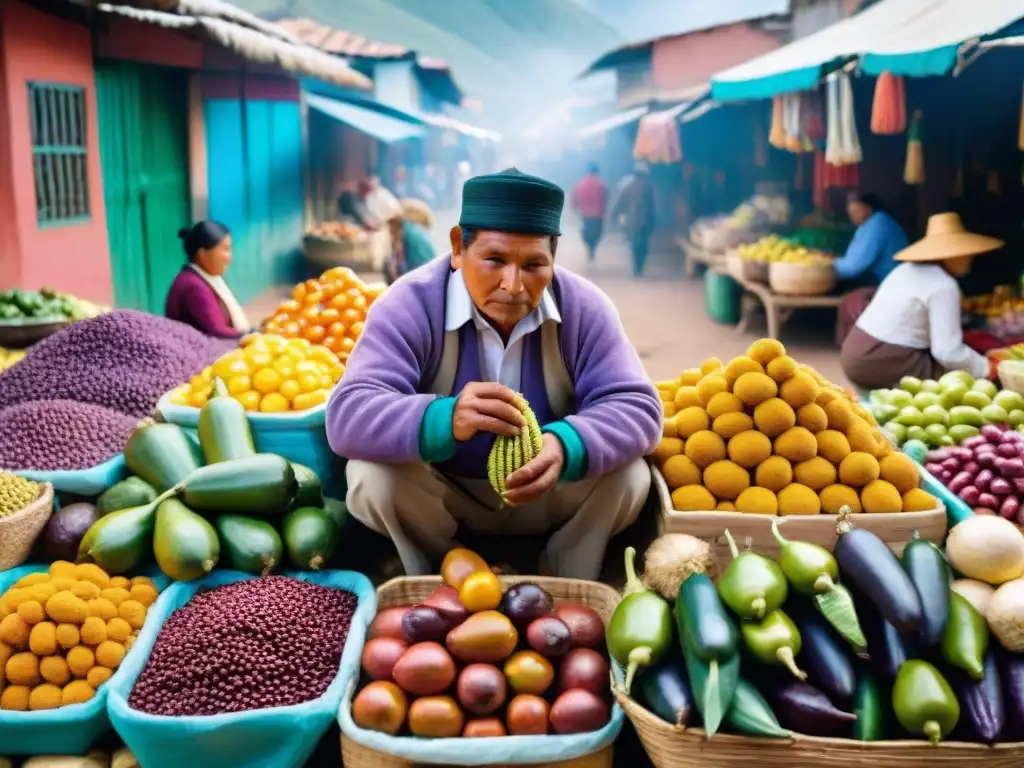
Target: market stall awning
point(911, 37)
point(614, 121)
point(376, 124)
point(450, 123)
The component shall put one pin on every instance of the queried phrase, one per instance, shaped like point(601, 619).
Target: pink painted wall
point(75, 257)
point(690, 60)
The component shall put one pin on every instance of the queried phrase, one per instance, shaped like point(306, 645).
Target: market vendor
point(411, 247)
point(433, 377)
point(877, 239)
point(912, 326)
point(199, 295)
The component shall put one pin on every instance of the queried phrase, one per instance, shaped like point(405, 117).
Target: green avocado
point(186, 546)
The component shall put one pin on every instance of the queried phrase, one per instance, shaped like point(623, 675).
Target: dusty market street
point(663, 312)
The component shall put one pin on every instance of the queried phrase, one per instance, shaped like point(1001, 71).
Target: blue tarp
point(916, 38)
point(376, 124)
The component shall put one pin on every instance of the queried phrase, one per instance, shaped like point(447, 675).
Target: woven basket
point(1011, 375)
point(18, 532)
point(670, 747)
point(896, 529)
point(412, 590)
point(748, 270)
point(327, 254)
point(801, 279)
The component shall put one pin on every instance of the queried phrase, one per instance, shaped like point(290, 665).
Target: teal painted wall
point(254, 166)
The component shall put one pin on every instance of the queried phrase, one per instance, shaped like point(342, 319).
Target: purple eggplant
point(886, 647)
point(826, 659)
point(666, 691)
point(867, 563)
point(930, 574)
point(981, 702)
point(802, 708)
point(1012, 673)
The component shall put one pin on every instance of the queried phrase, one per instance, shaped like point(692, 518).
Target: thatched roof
point(243, 33)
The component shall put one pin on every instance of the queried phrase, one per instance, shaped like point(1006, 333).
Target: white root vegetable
point(673, 558)
point(62, 761)
point(987, 548)
point(1006, 615)
point(123, 758)
point(977, 593)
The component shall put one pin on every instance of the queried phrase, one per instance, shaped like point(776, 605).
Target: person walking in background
point(411, 248)
point(590, 201)
point(634, 209)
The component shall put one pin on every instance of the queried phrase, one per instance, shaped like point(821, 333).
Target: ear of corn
point(509, 454)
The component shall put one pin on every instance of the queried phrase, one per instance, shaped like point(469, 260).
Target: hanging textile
point(889, 108)
point(657, 139)
point(812, 121)
point(777, 135)
point(842, 145)
point(819, 192)
point(913, 171)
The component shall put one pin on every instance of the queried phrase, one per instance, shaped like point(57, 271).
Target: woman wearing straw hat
point(912, 325)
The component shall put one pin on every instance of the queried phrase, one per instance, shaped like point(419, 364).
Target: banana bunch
point(511, 453)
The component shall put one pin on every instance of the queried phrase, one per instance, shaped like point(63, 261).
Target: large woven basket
point(412, 590)
point(748, 270)
point(670, 747)
point(18, 532)
point(801, 279)
point(326, 254)
point(895, 529)
point(1011, 375)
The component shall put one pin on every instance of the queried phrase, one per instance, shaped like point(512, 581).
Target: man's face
point(858, 212)
point(506, 273)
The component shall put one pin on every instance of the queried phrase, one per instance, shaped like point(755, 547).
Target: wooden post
point(197, 169)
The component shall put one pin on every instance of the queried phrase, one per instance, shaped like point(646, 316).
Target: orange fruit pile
point(329, 311)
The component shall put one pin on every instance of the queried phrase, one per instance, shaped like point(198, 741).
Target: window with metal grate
point(57, 118)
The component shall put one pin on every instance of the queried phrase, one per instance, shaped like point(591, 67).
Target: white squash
point(975, 592)
point(987, 548)
point(1006, 615)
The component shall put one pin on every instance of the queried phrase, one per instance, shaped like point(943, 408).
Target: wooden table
point(696, 255)
point(778, 307)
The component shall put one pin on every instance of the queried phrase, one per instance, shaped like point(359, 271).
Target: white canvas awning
point(612, 122)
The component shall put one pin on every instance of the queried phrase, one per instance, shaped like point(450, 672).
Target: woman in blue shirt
point(869, 257)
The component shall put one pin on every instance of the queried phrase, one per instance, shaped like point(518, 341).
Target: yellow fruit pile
point(63, 632)
point(766, 435)
point(10, 357)
point(269, 374)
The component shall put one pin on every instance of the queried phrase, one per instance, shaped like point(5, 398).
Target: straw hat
point(946, 238)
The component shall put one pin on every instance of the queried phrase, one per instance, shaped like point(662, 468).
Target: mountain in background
point(516, 56)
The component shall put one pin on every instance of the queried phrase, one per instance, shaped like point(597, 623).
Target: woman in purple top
point(199, 296)
point(432, 380)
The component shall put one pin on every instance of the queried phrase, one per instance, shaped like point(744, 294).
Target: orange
point(314, 333)
point(308, 400)
point(289, 307)
point(299, 292)
point(347, 344)
point(238, 384)
point(250, 400)
point(313, 299)
point(274, 403)
point(329, 316)
point(337, 330)
point(330, 343)
point(311, 286)
point(266, 380)
point(271, 327)
point(198, 398)
point(359, 302)
point(350, 316)
point(356, 329)
point(310, 314)
point(290, 330)
point(340, 301)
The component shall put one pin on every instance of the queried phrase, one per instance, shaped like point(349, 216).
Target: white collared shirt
point(499, 362)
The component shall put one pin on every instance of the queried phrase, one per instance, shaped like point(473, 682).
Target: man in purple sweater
point(432, 381)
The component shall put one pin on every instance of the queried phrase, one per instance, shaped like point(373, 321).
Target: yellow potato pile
point(65, 631)
point(765, 435)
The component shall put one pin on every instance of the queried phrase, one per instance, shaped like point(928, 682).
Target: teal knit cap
point(511, 201)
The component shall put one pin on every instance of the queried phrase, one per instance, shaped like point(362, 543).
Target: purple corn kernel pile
point(123, 360)
point(61, 435)
point(254, 644)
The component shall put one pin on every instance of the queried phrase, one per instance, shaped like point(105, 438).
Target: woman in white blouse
point(912, 326)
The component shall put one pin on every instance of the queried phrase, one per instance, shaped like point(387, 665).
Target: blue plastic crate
point(282, 737)
point(70, 730)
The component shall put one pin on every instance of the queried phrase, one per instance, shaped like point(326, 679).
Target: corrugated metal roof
point(248, 36)
point(642, 22)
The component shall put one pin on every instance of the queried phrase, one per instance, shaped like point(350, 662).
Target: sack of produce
point(65, 632)
point(442, 666)
point(243, 706)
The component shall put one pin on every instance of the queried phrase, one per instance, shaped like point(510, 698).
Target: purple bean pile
point(61, 435)
point(269, 642)
point(122, 360)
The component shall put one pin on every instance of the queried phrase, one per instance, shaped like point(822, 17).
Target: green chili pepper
point(640, 630)
point(965, 638)
point(871, 708)
point(774, 640)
